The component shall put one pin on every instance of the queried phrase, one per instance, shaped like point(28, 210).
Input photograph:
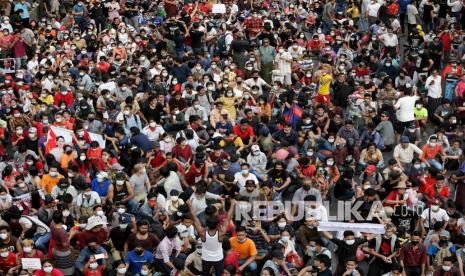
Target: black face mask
point(415, 242)
point(139, 251)
point(306, 188)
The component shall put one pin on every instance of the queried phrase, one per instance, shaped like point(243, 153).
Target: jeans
point(41, 242)
point(162, 267)
point(252, 267)
point(218, 266)
point(436, 164)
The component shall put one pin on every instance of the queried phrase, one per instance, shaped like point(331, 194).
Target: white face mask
point(153, 124)
point(446, 268)
point(417, 166)
point(122, 270)
point(99, 213)
point(82, 158)
point(174, 198)
point(285, 238)
point(144, 272)
point(4, 254)
point(350, 242)
point(27, 249)
point(48, 269)
point(93, 265)
point(281, 224)
point(66, 213)
point(121, 211)
point(119, 182)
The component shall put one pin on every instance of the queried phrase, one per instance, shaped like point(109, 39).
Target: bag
point(295, 259)
point(222, 47)
point(360, 255)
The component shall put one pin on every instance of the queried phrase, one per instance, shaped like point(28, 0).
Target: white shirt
point(411, 14)
point(320, 213)
point(406, 155)
point(440, 215)
point(405, 106)
point(456, 5)
point(434, 89)
point(153, 134)
point(390, 40)
point(372, 9)
point(284, 66)
point(240, 180)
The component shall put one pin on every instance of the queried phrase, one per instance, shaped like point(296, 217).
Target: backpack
point(442, 253)
point(379, 239)
point(222, 47)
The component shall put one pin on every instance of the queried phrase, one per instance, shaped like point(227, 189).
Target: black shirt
point(196, 37)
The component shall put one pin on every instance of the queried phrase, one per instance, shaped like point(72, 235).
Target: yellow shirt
point(324, 84)
point(354, 12)
point(48, 100)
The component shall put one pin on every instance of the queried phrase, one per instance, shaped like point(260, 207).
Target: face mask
point(417, 166)
point(153, 124)
point(66, 213)
point(53, 174)
point(99, 213)
point(419, 106)
point(122, 270)
point(27, 249)
point(432, 144)
point(19, 132)
point(144, 272)
point(388, 64)
point(281, 225)
point(244, 172)
point(445, 267)
point(434, 208)
point(197, 106)
point(454, 121)
point(126, 112)
point(4, 254)
point(82, 158)
point(119, 182)
point(330, 163)
point(285, 239)
point(350, 242)
point(174, 198)
point(93, 265)
point(331, 140)
point(83, 225)
point(48, 269)
point(121, 211)
point(99, 179)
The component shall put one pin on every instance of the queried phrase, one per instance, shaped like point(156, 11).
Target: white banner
point(356, 227)
point(98, 138)
point(59, 131)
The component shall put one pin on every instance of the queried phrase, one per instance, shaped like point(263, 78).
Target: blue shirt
point(85, 254)
point(142, 142)
point(135, 261)
point(403, 6)
point(101, 190)
point(24, 7)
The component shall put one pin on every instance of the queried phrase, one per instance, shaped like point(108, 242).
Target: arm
point(198, 227)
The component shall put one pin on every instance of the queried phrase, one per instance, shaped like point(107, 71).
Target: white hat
point(93, 222)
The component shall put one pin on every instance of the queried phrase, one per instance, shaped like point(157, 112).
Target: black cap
point(278, 254)
point(370, 192)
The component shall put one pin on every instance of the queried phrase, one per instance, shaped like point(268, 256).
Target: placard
point(31, 263)
point(372, 228)
point(219, 8)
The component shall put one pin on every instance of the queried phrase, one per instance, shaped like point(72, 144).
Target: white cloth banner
point(59, 131)
point(356, 227)
point(98, 138)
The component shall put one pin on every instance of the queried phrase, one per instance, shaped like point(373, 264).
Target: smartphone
point(99, 256)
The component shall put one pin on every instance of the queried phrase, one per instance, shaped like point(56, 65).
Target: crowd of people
point(184, 137)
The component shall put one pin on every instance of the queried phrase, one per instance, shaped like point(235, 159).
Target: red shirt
point(59, 97)
point(8, 262)
point(445, 39)
point(232, 259)
point(431, 191)
point(429, 181)
point(55, 272)
point(183, 152)
point(248, 133)
point(253, 25)
point(82, 238)
point(194, 175)
point(94, 272)
point(394, 195)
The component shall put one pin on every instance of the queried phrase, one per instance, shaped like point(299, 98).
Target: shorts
point(323, 99)
point(400, 126)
